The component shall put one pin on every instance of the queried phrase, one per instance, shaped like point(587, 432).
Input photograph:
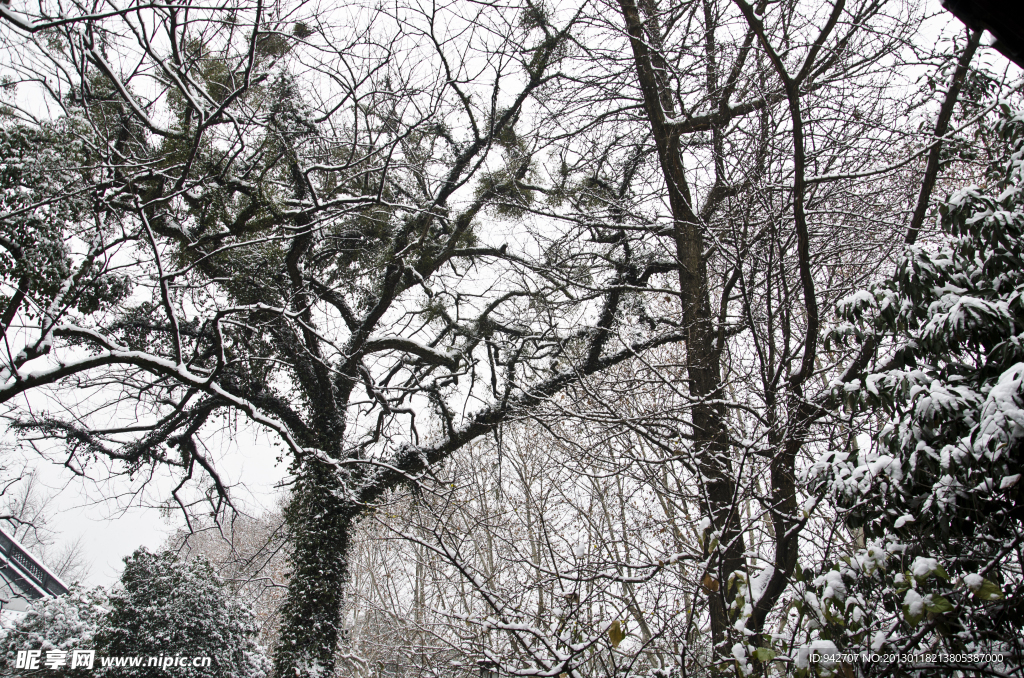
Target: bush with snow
point(162, 607)
point(65, 623)
point(167, 607)
point(938, 494)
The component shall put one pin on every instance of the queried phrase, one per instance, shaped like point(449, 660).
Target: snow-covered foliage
point(66, 623)
point(381, 243)
point(39, 170)
point(939, 492)
point(162, 607)
point(168, 607)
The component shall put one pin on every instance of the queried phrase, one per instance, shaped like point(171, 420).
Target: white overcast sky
point(112, 531)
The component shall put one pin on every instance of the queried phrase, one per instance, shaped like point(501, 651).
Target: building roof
point(1004, 20)
point(23, 574)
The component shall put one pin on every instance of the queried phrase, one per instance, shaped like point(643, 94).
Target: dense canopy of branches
point(389, 234)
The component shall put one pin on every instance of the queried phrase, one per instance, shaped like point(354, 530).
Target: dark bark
point(710, 437)
point(931, 171)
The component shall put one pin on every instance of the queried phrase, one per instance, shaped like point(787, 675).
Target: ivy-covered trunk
point(319, 519)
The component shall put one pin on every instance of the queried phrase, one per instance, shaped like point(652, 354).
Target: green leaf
point(764, 654)
point(989, 591)
point(938, 605)
point(912, 619)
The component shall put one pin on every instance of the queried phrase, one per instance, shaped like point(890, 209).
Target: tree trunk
point(319, 520)
point(702, 358)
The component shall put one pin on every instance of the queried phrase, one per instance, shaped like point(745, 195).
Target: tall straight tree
point(750, 145)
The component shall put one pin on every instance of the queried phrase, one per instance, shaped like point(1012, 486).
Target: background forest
point(599, 338)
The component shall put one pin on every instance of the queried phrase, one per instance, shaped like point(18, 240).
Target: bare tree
point(250, 554)
point(209, 168)
point(29, 516)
